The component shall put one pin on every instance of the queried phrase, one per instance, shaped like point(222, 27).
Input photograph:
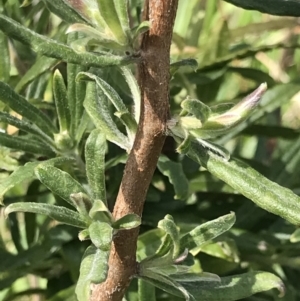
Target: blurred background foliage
point(236, 51)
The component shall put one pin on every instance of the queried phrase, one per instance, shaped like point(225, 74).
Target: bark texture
point(153, 77)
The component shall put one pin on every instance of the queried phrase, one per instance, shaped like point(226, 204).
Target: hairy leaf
point(95, 166)
point(93, 269)
point(240, 176)
point(59, 213)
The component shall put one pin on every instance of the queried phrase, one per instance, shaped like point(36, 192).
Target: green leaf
point(192, 277)
point(41, 66)
point(96, 106)
point(191, 63)
point(146, 291)
point(272, 99)
point(149, 242)
point(166, 284)
point(23, 173)
point(244, 179)
point(235, 287)
point(20, 105)
point(109, 14)
point(174, 172)
point(95, 148)
point(207, 231)
point(113, 96)
point(64, 11)
point(4, 58)
point(76, 91)
point(60, 214)
point(101, 235)
point(225, 249)
point(295, 237)
point(142, 28)
point(61, 101)
point(134, 89)
point(26, 145)
point(127, 222)
point(59, 182)
point(254, 74)
point(30, 220)
point(168, 225)
point(100, 212)
point(197, 108)
point(93, 269)
point(272, 7)
point(26, 126)
point(51, 48)
point(122, 11)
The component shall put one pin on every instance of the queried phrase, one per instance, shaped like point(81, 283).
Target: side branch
point(154, 76)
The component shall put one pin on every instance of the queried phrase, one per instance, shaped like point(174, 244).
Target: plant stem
point(154, 76)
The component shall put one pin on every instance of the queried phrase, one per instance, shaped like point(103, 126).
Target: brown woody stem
point(154, 76)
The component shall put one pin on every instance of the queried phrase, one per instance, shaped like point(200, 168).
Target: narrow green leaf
point(96, 106)
point(31, 225)
point(146, 291)
point(59, 182)
point(14, 225)
point(41, 66)
point(93, 269)
point(20, 105)
point(110, 16)
point(23, 173)
point(60, 214)
point(235, 287)
point(240, 176)
point(122, 11)
point(166, 284)
point(26, 145)
point(61, 101)
point(272, 7)
point(84, 122)
point(89, 11)
point(64, 11)
point(51, 48)
point(142, 28)
point(26, 126)
point(4, 58)
point(76, 91)
point(272, 99)
point(113, 96)
point(101, 235)
point(254, 74)
point(168, 225)
point(127, 222)
point(134, 89)
point(174, 172)
point(95, 148)
point(191, 63)
point(207, 231)
point(192, 277)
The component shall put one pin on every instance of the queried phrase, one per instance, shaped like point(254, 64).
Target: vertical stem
point(153, 72)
